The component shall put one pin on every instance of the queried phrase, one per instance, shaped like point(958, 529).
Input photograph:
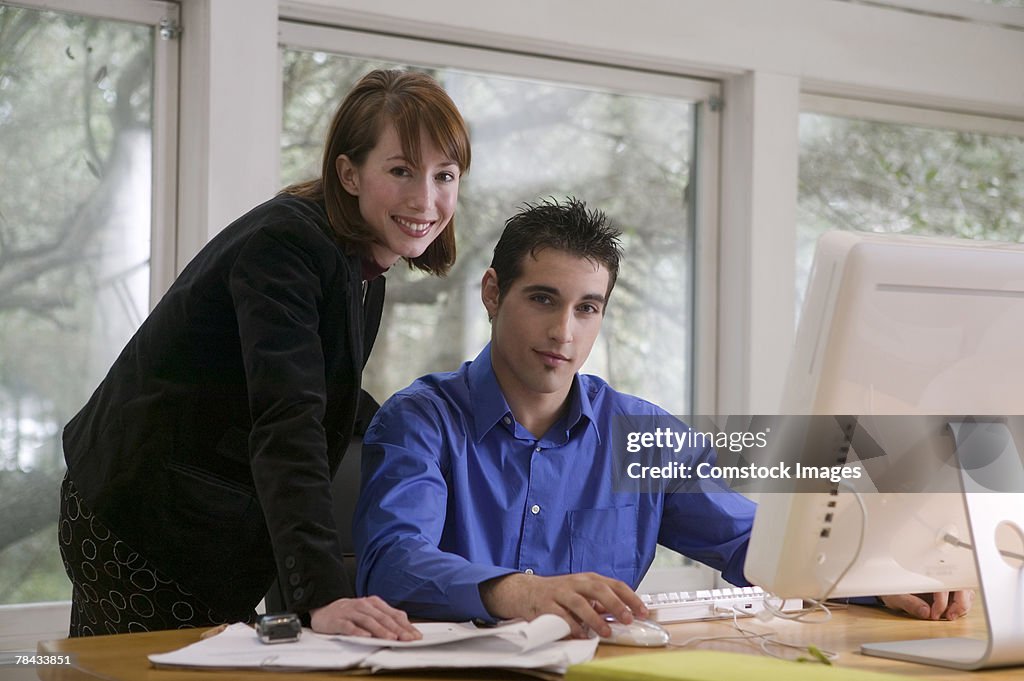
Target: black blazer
point(210, 445)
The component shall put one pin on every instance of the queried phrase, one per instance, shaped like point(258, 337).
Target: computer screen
point(916, 342)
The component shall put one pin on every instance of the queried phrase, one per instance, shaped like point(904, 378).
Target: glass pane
point(883, 177)
point(75, 137)
point(630, 156)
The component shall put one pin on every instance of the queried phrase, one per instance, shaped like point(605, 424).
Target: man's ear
point(348, 174)
point(489, 292)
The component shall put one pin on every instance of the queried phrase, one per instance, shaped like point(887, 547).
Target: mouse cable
point(764, 641)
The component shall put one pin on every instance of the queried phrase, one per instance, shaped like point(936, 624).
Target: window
point(80, 110)
point(631, 155)
point(597, 135)
point(923, 173)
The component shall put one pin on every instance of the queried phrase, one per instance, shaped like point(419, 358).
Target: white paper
point(524, 635)
point(488, 652)
point(518, 645)
point(239, 646)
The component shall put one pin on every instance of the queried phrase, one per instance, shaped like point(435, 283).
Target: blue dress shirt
point(455, 492)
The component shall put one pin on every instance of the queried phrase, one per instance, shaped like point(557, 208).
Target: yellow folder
point(710, 665)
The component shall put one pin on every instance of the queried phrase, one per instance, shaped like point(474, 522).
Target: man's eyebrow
point(551, 290)
point(540, 288)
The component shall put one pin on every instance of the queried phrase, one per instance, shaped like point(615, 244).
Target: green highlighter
point(712, 665)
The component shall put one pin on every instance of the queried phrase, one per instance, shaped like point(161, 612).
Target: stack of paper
point(520, 645)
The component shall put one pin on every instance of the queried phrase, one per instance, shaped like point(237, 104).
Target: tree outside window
point(75, 135)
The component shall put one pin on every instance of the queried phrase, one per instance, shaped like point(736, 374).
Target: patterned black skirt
point(115, 590)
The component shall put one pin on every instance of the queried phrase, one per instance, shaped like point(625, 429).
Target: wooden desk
point(117, 658)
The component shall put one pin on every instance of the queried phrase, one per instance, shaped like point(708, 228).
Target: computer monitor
point(929, 328)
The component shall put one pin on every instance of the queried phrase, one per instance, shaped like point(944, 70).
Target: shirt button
point(528, 571)
point(535, 509)
point(298, 594)
point(537, 449)
point(294, 579)
point(289, 562)
point(507, 420)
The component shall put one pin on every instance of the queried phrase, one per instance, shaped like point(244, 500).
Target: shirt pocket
point(604, 540)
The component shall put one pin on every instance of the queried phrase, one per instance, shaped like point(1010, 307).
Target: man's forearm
point(425, 581)
point(504, 596)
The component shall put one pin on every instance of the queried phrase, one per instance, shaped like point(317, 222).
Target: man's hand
point(942, 604)
point(369, 616)
point(579, 599)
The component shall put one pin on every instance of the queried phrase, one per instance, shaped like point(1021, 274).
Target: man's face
point(543, 328)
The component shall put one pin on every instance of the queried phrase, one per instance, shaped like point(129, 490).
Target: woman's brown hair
point(410, 101)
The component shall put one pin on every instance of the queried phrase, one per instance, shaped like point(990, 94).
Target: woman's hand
point(368, 616)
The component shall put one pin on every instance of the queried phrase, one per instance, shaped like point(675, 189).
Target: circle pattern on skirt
point(115, 590)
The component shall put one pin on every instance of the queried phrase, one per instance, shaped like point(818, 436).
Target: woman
point(201, 466)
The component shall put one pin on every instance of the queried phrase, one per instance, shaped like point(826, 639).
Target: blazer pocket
point(203, 497)
point(604, 540)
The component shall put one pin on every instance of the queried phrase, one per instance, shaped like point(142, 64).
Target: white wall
point(230, 120)
point(828, 44)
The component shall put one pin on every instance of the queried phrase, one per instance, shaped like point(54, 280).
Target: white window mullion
point(165, 156)
point(136, 11)
point(393, 48)
point(910, 115)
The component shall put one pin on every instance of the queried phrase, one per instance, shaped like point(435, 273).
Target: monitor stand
point(993, 492)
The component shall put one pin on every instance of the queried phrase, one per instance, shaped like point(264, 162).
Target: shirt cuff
point(464, 590)
point(859, 600)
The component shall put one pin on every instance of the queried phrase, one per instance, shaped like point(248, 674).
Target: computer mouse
point(641, 633)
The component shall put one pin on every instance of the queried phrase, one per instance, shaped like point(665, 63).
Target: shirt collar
point(370, 269)
point(490, 407)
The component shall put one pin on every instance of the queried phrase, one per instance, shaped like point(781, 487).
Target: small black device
point(282, 628)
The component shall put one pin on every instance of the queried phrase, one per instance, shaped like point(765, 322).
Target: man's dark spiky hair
point(567, 227)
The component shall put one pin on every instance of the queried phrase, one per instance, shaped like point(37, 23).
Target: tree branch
point(27, 502)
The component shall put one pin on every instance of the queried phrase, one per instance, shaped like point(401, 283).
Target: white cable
point(950, 539)
point(764, 640)
point(818, 604)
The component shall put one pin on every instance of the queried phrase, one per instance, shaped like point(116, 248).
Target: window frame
point(705, 95)
point(163, 217)
point(900, 114)
point(23, 624)
point(813, 102)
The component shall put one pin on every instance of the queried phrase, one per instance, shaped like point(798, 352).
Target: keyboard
point(684, 606)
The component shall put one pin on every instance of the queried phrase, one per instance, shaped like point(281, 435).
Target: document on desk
point(238, 647)
point(521, 645)
point(518, 645)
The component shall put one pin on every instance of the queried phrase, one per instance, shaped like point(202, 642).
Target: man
point(489, 492)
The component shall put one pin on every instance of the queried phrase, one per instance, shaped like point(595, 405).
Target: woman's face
point(406, 205)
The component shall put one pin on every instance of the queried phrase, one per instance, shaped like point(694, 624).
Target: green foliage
point(32, 570)
point(75, 110)
point(882, 177)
